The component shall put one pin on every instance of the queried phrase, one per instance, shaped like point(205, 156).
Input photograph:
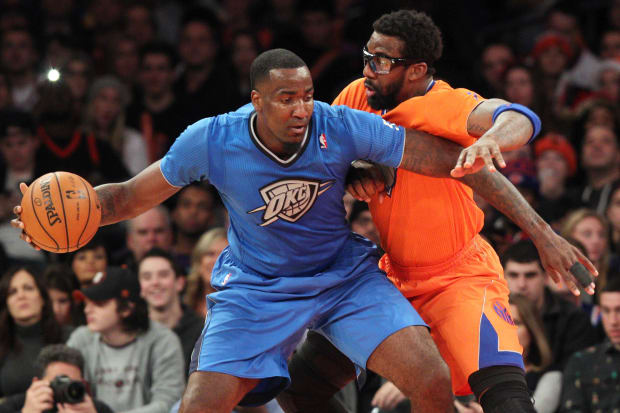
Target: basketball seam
point(87, 217)
point(64, 213)
point(34, 210)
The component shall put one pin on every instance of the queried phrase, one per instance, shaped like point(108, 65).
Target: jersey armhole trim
point(166, 179)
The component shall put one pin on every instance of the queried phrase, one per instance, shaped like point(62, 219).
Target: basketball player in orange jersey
point(430, 227)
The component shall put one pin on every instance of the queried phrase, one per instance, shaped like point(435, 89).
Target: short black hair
point(613, 282)
point(161, 253)
point(272, 59)
point(523, 252)
point(159, 48)
point(58, 353)
point(15, 118)
point(138, 319)
point(421, 36)
point(205, 17)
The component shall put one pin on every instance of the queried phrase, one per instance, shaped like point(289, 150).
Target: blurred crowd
point(102, 88)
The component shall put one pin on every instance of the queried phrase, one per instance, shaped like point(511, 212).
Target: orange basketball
point(60, 212)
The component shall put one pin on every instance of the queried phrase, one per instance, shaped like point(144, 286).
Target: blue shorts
point(251, 332)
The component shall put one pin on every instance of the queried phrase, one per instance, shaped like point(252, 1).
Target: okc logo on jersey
point(289, 199)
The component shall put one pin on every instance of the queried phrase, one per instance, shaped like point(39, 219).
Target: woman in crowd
point(592, 230)
point(206, 251)
point(105, 118)
point(544, 382)
point(61, 282)
point(27, 324)
point(89, 260)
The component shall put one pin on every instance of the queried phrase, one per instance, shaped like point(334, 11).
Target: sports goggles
point(381, 64)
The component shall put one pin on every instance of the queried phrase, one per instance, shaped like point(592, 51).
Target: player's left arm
point(428, 155)
point(500, 126)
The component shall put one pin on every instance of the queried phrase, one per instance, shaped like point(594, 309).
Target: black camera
point(67, 390)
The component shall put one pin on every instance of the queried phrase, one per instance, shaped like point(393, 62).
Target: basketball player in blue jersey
point(292, 264)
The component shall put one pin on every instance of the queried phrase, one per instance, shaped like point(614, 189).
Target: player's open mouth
point(369, 91)
point(298, 130)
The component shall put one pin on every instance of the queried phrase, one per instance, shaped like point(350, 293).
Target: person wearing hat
point(133, 364)
point(556, 162)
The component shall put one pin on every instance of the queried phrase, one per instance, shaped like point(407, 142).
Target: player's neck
point(420, 87)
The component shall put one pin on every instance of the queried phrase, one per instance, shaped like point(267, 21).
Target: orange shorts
point(465, 303)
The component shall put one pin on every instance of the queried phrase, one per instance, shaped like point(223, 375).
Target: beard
point(384, 99)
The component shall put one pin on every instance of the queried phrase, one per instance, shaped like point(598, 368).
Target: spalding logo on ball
point(60, 212)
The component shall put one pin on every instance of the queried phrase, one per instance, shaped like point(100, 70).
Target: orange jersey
point(426, 221)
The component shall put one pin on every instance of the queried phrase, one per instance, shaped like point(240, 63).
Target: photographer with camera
point(58, 386)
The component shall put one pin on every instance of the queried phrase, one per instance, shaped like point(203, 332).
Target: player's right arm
point(125, 200)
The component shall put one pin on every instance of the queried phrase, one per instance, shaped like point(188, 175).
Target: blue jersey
point(286, 215)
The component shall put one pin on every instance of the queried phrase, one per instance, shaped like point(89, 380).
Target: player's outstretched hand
point(364, 181)
point(563, 260)
point(17, 222)
point(477, 155)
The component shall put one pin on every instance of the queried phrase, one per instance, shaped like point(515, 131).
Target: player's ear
point(417, 71)
point(257, 100)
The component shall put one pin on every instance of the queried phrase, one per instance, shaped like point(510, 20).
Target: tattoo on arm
point(429, 155)
point(502, 194)
point(112, 198)
point(476, 129)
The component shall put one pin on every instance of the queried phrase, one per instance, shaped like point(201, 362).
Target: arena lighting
point(53, 75)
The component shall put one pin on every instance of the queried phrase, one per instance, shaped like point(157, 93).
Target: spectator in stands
point(104, 117)
point(78, 73)
point(610, 44)
point(124, 61)
point(27, 324)
point(600, 160)
point(89, 260)
point(53, 361)
point(544, 383)
point(205, 87)
point(65, 147)
point(566, 327)
point(592, 230)
point(496, 58)
point(207, 249)
point(609, 82)
point(192, 215)
point(157, 114)
point(18, 58)
point(18, 146)
point(613, 215)
point(552, 54)
point(160, 285)
point(591, 376)
point(61, 282)
point(139, 23)
point(150, 229)
point(133, 365)
point(245, 48)
point(556, 162)
point(519, 87)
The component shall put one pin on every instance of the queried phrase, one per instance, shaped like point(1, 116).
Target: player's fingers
point(459, 162)
point(369, 188)
point(586, 262)
point(570, 283)
point(457, 172)
point(488, 161)
point(472, 154)
point(355, 189)
point(499, 158)
point(16, 223)
point(23, 187)
point(17, 209)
